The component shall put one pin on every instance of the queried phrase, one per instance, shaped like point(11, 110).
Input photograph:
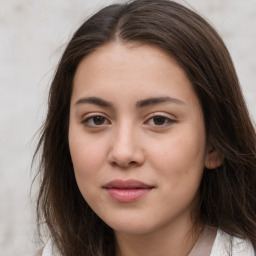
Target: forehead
point(131, 70)
point(128, 57)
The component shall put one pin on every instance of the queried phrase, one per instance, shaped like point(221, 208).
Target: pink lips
point(127, 190)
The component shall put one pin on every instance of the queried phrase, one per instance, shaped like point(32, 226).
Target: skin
point(127, 141)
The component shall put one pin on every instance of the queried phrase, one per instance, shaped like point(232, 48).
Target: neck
point(173, 240)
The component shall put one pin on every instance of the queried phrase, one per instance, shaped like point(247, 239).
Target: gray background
point(33, 34)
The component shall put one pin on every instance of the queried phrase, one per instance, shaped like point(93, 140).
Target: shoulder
point(225, 244)
point(49, 250)
point(39, 252)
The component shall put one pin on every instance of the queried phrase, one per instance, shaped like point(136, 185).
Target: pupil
point(159, 120)
point(98, 120)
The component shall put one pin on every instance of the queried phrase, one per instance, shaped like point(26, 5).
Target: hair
point(227, 193)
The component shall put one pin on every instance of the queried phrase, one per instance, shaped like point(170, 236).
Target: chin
point(131, 226)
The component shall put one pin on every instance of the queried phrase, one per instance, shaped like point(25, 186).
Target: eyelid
point(171, 119)
point(163, 114)
point(86, 117)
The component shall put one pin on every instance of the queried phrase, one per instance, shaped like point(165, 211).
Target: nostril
point(124, 165)
point(125, 156)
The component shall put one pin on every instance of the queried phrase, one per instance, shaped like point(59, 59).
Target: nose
point(125, 150)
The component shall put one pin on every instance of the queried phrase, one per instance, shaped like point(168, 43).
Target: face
point(137, 138)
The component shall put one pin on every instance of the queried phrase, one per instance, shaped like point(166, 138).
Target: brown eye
point(159, 120)
point(98, 120)
point(95, 121)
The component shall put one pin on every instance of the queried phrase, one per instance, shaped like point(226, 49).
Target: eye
point(95, 121)
point(159, 121)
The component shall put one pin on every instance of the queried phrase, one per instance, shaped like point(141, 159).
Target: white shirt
point(240, 247)
point(221, 246)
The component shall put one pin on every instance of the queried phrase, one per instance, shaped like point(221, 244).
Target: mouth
point(127, 190)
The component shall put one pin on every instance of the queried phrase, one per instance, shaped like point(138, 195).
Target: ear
point(213, 159)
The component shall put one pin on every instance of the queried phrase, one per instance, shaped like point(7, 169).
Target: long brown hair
point(227, 194)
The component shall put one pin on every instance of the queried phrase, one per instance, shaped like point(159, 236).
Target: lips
point(127, 190)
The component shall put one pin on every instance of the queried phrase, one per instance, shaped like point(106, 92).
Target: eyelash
point(167, 121)
point(87, 120)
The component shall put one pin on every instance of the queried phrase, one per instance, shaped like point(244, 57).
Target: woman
point(147, 148)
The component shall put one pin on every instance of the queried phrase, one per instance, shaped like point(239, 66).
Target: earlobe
point(213, 158)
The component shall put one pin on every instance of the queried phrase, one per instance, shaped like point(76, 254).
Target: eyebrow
point(158, 100)
point(96, 101)
point(140, 104)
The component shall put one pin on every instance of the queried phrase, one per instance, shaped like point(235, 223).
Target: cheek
point(181, 154)
point(87, 160)
point(87, 155)
point(180, 164)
